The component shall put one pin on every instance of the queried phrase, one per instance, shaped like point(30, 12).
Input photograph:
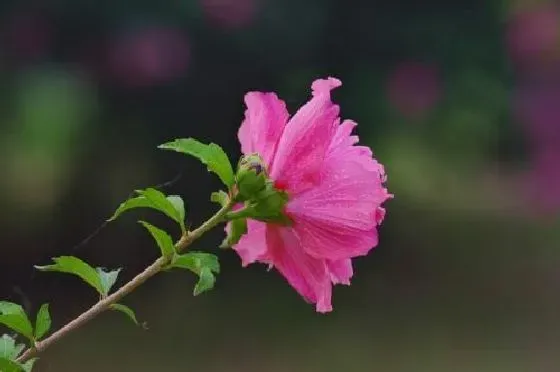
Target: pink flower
point(335, 192)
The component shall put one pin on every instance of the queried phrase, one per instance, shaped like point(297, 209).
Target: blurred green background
point(460, 101)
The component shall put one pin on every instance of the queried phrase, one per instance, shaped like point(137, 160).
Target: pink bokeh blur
point(148, 56)
point(533, 34)
point(230, 14)
point(533, 44)
point(26, 36)
point(414, 89)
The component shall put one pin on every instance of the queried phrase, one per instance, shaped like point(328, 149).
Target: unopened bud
point(251, 176)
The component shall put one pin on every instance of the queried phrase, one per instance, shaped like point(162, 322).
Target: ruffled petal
point(340, 271)
point(337, 219)
point(305, 140)
point(309, 276)
point(265, 119)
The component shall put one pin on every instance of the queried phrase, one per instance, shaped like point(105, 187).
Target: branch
point(105, 303)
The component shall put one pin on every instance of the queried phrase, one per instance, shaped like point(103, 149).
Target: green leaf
point(162, 239)
point(212, 155)
point(107, 278)
point(75, 266)
point(172, 206)
point(8, 347)
point(125, 310)
point(19, 323)
point(9, 308)
point(179, 206)
point(220, 197)
point(195, 261)
point(7, 365)
point(205, 282)
point(236, 229)
point(28, 366)
point(202, 264)
point(132, 203)
point(17, 351)
point(13, 316)
point(43, 321)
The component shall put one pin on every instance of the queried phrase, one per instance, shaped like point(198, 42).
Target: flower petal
point(305, 140)
point(337, 219)
point(265, 119)
point(309, 276)
point(252, 246)
point(341, 271)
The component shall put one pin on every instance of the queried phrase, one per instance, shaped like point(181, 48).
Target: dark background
point(460, 101)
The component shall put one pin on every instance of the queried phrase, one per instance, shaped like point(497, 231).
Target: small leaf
point(132, 203)
point(75, 266)
point(14, 317)
point(19, 323)
point(220, 197)
point(202, 264)
point(195, 261)
point(9, 308)
point(43, 321)
point(172, 206)
point(179, 206)
point(206, 281)
point(235, 230)
point(28, 366)
point(7, 365)
point(17, 351)
point(8, 347)
point(162, 239)
point(125, 310)
point(108, 279)
point(212, 155)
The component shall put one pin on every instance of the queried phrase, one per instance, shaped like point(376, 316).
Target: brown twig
point(105, 303)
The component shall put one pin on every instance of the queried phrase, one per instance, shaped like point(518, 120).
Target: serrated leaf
point(7, 365)
point(108, 279)
point(28, 366)
point(172, 206)
point(42, 322)
point(17, 351)
point(205, 282)
point(212, 155)
point(132, 203)
point(202, 264)
point(7, 347)
point(195, 261)
point(18, 323)
point(75, 266)
point(236, 229)
point(125, 310)
point(163, 240)
point(220, 197)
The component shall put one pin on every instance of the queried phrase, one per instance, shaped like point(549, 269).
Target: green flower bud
point(251, 177)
